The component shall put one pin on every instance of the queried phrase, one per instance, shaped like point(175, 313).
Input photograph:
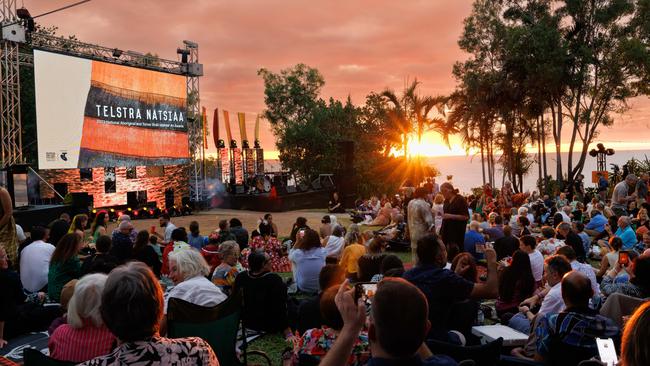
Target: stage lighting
point(129, 209)
point(117, 53)
point(112, 210)
point(184, 54)
point(94, 211)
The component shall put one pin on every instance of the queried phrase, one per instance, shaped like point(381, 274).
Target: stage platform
point(29, 216)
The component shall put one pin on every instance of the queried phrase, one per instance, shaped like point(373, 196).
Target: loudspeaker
point(239, 189)
point(80, 200)
point(132, 199)
point(169, 198)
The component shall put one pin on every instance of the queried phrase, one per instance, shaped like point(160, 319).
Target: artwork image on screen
point(97, 114)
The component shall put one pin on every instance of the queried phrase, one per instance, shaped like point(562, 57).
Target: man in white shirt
point(527, 245)
point(35, 260)
point(165, 221)
point(566, 214)
point(583, 268)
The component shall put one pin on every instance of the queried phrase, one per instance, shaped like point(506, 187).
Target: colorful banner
point(257, 130)
point(215, 127)
point(226, 122)
point(107, 115)
point(205, 128)
point(239, 169)
point(242, 127)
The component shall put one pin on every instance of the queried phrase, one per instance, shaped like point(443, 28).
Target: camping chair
point(217, 325)
point(34, 357)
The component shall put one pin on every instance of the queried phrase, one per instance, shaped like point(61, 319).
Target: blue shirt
point(471, 239)
point(628, 236)
point(307, 266)
point(597, 223)
point(197, 242)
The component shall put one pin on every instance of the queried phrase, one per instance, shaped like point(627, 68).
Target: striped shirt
point(80, 344)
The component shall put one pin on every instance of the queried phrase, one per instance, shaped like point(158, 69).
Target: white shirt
point(565, 217)
point(588, 271)
point(168, 231)
point(553, 302)
point(20, 234)
point(537, 264)
point(197, 290)
point(334, 246)
point(35, 265)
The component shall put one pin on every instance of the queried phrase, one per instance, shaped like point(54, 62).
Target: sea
point(466, 170)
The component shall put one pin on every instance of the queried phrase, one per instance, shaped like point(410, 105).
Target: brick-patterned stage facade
point(174, 177)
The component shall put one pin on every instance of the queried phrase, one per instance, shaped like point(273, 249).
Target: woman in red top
point(272, 247)
point(84, 336)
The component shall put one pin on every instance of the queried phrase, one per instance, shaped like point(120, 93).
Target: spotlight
point(94, 211)
point(117, 53)
point(129, 209)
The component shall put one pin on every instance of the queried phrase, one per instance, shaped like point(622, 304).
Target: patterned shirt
point(160, 351)
point(318, 341)
point(272, 247)
point(609, 286)
point(224, 276)
point(80, 344)
point(575, 327)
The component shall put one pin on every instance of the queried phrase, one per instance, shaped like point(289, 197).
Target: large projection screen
point(97, 114)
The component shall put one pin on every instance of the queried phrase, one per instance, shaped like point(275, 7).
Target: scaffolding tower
point(10, 122)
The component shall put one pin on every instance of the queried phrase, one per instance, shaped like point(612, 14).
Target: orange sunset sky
point(359, 46)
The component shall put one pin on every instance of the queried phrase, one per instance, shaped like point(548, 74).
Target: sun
point(432, 144)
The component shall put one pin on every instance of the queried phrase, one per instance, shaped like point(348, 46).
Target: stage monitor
point(97, 114)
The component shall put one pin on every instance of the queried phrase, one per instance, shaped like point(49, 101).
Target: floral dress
point(272, 247)
point(317, 342)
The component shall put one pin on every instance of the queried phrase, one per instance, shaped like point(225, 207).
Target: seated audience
point(443, 287)
point(353, 250)
point(549, 244)
point(316, 342)
point(472, 238)
point(634, 346)
point(609, 260)
point(325, 228)
point(335, 205)
point(194, 238)
point(122, 246)
point(396, 330)
point(16, 316)
point(84, 336)
point(370, 263)
point(58, 228)
point(64, 264)
point(98, 227)
point(391, 266)
point(584, 268)
point(495, 231)
point(568, 337)
point(524, 224)
point(272, 247)
point(586, 240)
point(144, 252)
point(307, 258)
point(638, 284)
point(225, 273)
point(464, 265)
point(625, 232)
point(66, 295)
point(101, 261)
point(596, 225)
point(224, 232)
point(188, 269)
point(265, 296)
point(572, 239)
point(300, 224)
point(133, 234)
point(527, 245)
point(516, 283)
point(78, 226)
point(334, 243)
point(177, 242)
point(241, 234)
point(35, 261)
point(132, 309)
point(309, 315)
point(383, 216)
point(507, 244)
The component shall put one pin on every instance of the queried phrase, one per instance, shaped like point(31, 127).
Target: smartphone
point(301, 233)
point(623, 258)
point(606, 351)
point(153, 229)
point(365, 291)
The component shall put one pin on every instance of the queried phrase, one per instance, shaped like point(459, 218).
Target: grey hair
point(86, 301)
point(228, 247)
point(564, 226)
point(190, 263)
point(522, 210)
point(626, 220)
point(338, 231)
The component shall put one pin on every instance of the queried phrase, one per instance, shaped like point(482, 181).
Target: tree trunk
point(544, 153)
point(482, 158)
point(557, 137)
point(539, 157)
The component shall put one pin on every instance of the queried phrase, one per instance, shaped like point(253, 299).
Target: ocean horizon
point(466, 170)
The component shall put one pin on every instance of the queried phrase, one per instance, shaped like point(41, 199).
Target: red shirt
point(80, 344)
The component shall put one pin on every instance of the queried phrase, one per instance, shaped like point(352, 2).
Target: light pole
point(601, 156)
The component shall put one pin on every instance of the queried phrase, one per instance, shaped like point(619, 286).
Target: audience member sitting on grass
point(443, 287)
point(610, 260)
point(177, 243)
point(391, 266)
point(549, 243)
point(568, 337)
point(516, 283)
point(584, 268)
point(527, 244)
point(64, 265)
point(144, 252)
point(35, 261)
point(307, 258)
point(225, 273)
point(325, 228)
point(596, 225)
point(370, 263)
point(396, 330)
point(122, 246)
point(265, 296)
point(195, 239)
point(635, 350)
point(237, 229)
point(572, 239)
point(464, 265)
point(300, 224)
point(132, 309)
point(495, 231)
point(85, 335)
point(316, 342)
point(335, 242)
point(224, 232)
point(638, 284)
point(309, 315)
point(101, 261)
point(272, 247)
point(624, 231)
point(353, 250)
point(472, 239)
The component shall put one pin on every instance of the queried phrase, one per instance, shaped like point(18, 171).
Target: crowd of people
point(557, 269)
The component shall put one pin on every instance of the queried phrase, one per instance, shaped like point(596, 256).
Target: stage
point(29, 216)
point(265, 202)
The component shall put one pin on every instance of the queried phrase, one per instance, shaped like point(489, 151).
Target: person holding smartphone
point(639, 283)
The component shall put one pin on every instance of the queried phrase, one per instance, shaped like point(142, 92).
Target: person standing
point(165, 222)
point(621, 195)
point(8, 226)
point(454, 219)
point(420, 219)
point(641, 190)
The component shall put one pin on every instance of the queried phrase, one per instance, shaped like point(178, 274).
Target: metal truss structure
point(15, 33)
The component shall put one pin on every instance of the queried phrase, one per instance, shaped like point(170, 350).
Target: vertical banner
point(223, 158)
point(239, 169)
point(249, 155)
point(226, 121)
point(218, 144)
point(242, 127)
point(257, 131)
point(215, 128)
point(259, 158)
point(204, 121)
